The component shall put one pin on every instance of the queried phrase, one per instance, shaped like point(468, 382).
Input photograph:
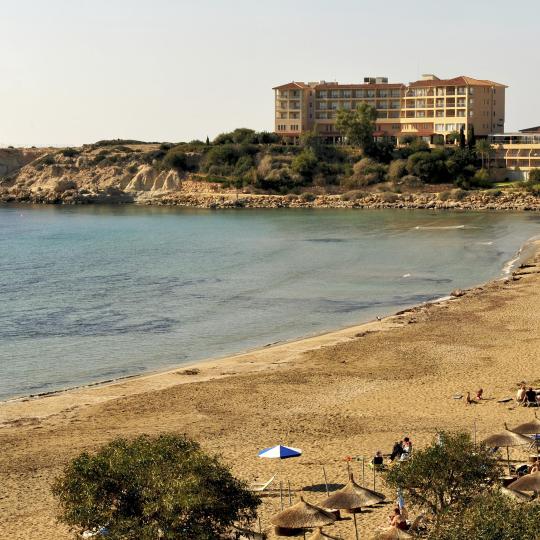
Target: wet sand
point(346, 393)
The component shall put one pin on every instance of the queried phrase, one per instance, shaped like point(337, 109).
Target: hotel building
point(425, 108)
point(518, 152)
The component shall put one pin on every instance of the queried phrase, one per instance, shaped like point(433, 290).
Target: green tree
point(357, 125)
point(452, 137)
point(161, 487)
point(490, 516)
point(207, 141)
point(471, 137)
point(462, 138)
point(430, 167)
point(446, 475)
point(484, 149)
point(534, 176)
point(305, 163)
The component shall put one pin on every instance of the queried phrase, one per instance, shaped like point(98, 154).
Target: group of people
point(402, 450)
point(527, 396)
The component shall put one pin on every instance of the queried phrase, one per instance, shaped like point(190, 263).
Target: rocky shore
point(130, 174)
point(185, 197)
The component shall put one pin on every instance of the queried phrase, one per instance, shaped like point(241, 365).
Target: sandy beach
point(345, 393)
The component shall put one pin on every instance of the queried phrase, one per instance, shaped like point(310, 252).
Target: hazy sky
point(75, 71)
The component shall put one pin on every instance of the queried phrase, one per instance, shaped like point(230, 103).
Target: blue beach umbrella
point(280, 452)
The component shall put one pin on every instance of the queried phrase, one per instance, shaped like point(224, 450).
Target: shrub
point(308, 197)
point(367, 171)
point(305, 163)
point(458, 194)
point(397, 169)
point(70, 152)
point(534, 176)
point(175, 159)
point(490, 516)
point(430, 167)
point(388, 197)
point(353, 195)
point(410, 181)
point(161, 487)
point(446, 475)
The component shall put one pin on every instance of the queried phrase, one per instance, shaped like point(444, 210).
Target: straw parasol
point(530, 428)
point(352, 497)
point(528, 482)
point(302, 515)
point(320, 535)
point(392, 533)
point(507, 438)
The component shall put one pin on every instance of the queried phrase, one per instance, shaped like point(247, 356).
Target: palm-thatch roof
point(320, 535)
point(352, 496)
point(392, 533)
point(302, 515)
point(528, 482)
point(528, 428)
point(507, 438)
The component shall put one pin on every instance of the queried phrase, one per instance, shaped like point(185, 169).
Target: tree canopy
point(447, 474)
point(153, 487)
point(357, 125)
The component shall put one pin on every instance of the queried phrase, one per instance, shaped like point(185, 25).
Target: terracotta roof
point(291, 86)
point(461, 80)
point(346, 86)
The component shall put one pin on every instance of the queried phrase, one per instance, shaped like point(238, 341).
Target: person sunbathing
point(479, 394)
point(470, 400)
point(377, 460)
point(397, 520)
point(530, 397)
point(520, 396)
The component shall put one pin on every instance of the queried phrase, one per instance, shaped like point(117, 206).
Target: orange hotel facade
point(425, 108)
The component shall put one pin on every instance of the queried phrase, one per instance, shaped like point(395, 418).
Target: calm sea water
point(94, 293)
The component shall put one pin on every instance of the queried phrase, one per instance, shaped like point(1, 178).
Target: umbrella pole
point(363, 472)
point(326, 483)
point(348, 469)
point(260, 528)
point(281, 494)
point(474, 433)
point(355, 526)
point(289, 486)
point(508, 458)
point(374, 473)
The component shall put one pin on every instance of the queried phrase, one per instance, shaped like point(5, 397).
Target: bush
point(305, 163)
point(388, 197)
point(490, 516)
point(308, 197)
point(161, 487)
point(70, 152)
point(367, 171)
point(397, 169)
point(534, 176)
point(353, 195)
point(175, 159)
point(410, 181)
point(446, 475)
point(430, 167)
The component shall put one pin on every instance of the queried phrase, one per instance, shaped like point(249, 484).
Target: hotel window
point(471, 91)
point(335, 93)
point(346, 94)
point(471, 113)
point(360, 93)
point(322, 94)
point(439, 127)
point(333, 105)
point(396, 93)
point(371, 93)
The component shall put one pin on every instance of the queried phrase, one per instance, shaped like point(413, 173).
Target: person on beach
point(407, 446)
point(397, 520)
point(520, 396)
point(397, 451)
point(470, 400)
point(530, 397)
point(479, 394)
point(377, 461)
point(535, 467)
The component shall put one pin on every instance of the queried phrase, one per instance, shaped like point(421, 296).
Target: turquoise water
point(94, 293)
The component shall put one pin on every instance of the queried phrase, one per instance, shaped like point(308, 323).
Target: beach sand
point(346, 393)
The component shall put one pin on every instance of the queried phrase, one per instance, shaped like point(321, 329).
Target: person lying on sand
point(397, 520)
point(470, 400)
point(397, 450)
point(520, 396)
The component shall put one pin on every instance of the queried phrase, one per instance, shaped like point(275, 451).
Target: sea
point(94, 293)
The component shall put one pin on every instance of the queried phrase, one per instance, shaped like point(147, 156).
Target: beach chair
point(261, 486)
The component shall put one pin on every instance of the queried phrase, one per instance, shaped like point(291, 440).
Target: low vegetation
point(153, 487)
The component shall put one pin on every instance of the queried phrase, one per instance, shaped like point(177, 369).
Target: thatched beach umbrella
point(507, 438)
point(352, 497)
point(392, 533)
point(320, 535)
point(530, 428)
point(300, 516)
point(528, 482)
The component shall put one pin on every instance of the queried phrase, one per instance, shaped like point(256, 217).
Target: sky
point(77, 71)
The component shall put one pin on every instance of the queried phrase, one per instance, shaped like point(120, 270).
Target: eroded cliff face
point(13, 159)
point(87, 174)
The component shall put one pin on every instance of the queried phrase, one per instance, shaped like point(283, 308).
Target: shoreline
point(347, 393)
point(303, 344)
